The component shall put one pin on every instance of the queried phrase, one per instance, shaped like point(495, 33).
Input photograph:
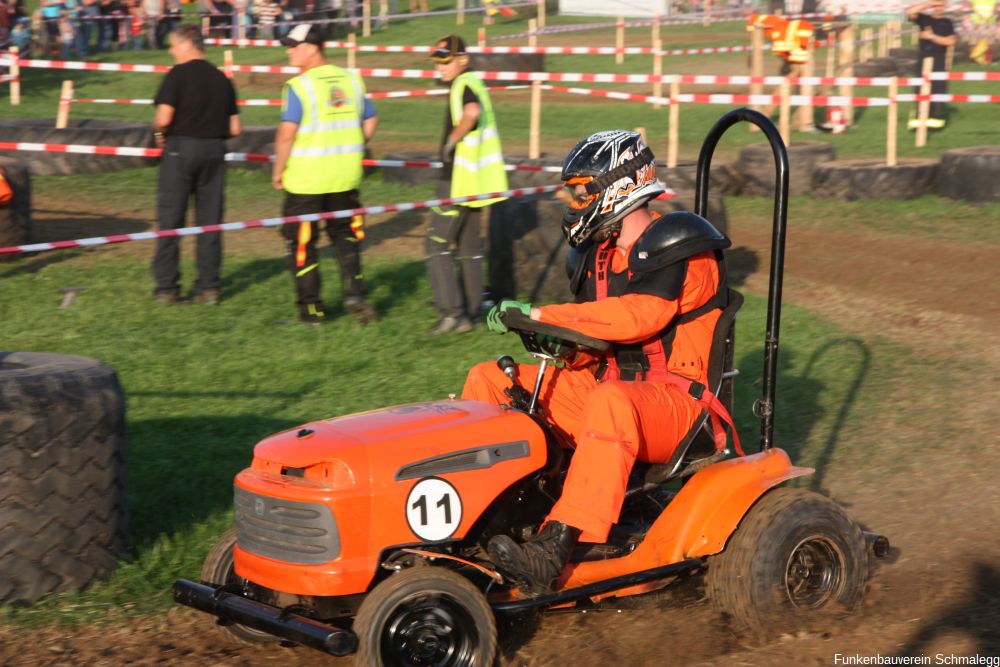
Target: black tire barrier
point(507, 62)
point(756, 165)
point(878, 67)
point(527, 249)
point(15, 217)
point(90, 132)
point(903, 53)
point(62, 478)
point(850, 180)
point(411, 175)
point(87, 132)
point(724, 179)
point(972, 174)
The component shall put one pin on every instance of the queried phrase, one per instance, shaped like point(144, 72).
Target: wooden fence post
point(657, 59)
point(366, 18)
point(15, 73)
point(227, 63)
point(541, 14)
point(784, 115)
point(65, 99)
point(460, 14)
point(846, 68)
point(673, 127)
point(892, 123)
point(806, 111)
point(924, 106)
point(756, 67)
point(352, 51)
point(535, 127)
point(620, 41)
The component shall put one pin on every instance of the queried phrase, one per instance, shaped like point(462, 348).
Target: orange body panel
point(351, 464)
point(699, 520)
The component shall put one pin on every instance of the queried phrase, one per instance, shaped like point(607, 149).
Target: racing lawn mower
point(366, 533)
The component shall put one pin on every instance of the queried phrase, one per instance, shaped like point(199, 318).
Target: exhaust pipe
point(878, 545)
point(233, 608)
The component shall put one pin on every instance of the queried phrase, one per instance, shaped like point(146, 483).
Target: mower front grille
point(285, 530)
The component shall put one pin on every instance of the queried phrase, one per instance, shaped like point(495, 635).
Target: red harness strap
point(711, 404)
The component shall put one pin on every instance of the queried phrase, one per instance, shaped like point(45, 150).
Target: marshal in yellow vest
point(478, 166)
point(329, 143)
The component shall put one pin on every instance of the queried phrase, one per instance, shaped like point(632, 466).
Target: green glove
point(493, 321)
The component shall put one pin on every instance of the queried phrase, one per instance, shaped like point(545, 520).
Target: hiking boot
point(167, 296)
point(312, 313)
point(361, 309)
point(207, 296)
point(534, 565)
point(451, 324)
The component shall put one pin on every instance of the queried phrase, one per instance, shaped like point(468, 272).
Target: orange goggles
point(575, 194)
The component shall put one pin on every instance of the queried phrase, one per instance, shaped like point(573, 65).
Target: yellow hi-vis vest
point(478, 166)
point(329, 143)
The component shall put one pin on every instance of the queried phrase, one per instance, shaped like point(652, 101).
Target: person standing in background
point(325, 122)
point(195, 113)
point(473, 165)
point(937, 34)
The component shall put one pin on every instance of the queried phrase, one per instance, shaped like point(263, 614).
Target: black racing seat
point(697, 449)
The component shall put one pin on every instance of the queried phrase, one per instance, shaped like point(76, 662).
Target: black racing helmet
point(607, 175)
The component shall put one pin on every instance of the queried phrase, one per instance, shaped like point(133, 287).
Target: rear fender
point(699, 519)
point(709, 507)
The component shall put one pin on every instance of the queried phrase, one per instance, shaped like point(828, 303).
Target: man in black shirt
point(195, 114)
point(937, 33)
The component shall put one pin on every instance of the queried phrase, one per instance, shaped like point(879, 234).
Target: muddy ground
point(940, 594)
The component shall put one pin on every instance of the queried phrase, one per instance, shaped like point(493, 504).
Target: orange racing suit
point(612, 420)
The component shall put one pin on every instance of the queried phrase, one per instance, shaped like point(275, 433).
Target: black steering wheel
point(548, 339)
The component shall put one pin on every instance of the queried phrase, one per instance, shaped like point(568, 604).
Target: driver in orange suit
point(654, 287)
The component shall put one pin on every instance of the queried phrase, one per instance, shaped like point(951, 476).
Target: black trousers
point(938, 110)
point(190, 166)
point(300, 244)
point(455, 258)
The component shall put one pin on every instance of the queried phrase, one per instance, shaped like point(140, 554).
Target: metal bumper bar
point(232, 608)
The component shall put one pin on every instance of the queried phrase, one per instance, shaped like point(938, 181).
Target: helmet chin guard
point(611, 174)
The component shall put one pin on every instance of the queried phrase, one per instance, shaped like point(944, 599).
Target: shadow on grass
point(797, 406)
point(251, 273)
point(181, 469)
point(846, 404)
point(977, 617)
point(15, 265)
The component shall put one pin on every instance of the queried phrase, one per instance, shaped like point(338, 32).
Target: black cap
point(303, 33)
point(447, 48)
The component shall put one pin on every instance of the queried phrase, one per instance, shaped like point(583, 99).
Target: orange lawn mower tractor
point(367, 533)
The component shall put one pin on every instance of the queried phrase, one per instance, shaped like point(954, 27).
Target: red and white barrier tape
point(267, 222)
point(376, 95)
point(131, 151)
point(542, 50)
point(568, 77)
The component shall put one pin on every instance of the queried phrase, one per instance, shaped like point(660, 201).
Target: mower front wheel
point(218, 570)
point(426, 616)
point(795, 558)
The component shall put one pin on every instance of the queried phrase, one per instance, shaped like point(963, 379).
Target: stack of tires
point(62, 474)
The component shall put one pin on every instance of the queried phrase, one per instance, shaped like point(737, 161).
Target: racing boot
point(534, 565)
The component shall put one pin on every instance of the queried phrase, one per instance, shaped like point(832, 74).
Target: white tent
point(628, 8)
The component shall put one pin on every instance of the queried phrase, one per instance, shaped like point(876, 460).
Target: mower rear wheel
point(218, 570)
point(425, 616)
point(796, 557)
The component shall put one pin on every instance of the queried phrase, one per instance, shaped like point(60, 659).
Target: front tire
point(795, 557)
point(218, 570)
point(425, 616)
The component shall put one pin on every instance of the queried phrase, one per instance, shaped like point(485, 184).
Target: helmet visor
point(575, 194)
